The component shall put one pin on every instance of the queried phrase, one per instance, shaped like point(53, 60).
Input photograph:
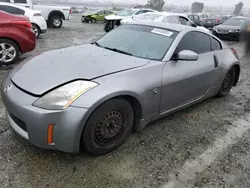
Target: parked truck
point(54, 15)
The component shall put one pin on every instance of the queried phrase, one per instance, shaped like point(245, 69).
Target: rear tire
point(36, 30)
point(56, 22)
point(227, 83)
point(108, 127)
point(9, 51)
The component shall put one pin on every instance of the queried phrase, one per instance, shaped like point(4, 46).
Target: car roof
point(175, 27)
point(239, 18)
point(165, 14)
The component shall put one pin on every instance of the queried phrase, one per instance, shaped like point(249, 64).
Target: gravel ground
point(206, 145)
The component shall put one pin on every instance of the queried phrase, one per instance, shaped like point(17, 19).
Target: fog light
point(50, 134)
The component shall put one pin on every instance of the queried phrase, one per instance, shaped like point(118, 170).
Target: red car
point(16, 37)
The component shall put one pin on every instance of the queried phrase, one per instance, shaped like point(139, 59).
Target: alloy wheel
point(7, 52)
point(57, 22)
point(35, 30)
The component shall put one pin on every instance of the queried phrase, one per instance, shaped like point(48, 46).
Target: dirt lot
point(205, 146)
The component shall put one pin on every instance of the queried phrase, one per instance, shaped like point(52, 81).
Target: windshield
point(126, 13)
point(234, 22)
point(139, 41)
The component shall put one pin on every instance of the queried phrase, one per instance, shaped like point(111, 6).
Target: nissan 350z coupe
point(92, 95)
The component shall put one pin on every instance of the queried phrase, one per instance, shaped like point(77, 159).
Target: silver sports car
point(93, 95)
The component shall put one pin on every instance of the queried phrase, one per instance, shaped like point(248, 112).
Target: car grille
point(19, 122)
point(222, 31)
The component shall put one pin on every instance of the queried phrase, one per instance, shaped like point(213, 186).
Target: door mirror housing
point(193, 24)
point(187, 55)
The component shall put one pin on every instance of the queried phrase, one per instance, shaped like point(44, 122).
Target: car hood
point(226, 27)
point(43, 72)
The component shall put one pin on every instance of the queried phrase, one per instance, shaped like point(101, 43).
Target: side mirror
point(193, 25)
point(187, 55)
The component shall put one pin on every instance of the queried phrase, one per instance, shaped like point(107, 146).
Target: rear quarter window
point(215, 44)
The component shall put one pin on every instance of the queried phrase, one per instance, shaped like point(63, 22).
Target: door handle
point(216, 63)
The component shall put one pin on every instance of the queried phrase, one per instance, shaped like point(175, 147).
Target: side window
point(191, 17)
point(5, 1)
point(139, 12)
point(1, 8)
point(189, 42)
point(215, 44)
point(100, 12)
point(13, 10)
point(20, 1)
point(172, 19)
point(145, 11)
point(196, 18)
point(184, 21)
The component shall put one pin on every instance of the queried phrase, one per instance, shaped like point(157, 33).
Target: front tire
point(56, 22)
point(9, 51)
point(108, 127)
point(227, 83)
point(93, 20)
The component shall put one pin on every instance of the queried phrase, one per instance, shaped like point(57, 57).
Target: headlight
point(62, 97)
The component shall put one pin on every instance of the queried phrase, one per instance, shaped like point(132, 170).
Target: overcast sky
point(227, 3)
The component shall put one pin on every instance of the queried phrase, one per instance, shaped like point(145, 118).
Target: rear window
point(12, 10)
point(140, 41)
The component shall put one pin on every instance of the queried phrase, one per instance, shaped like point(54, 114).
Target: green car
point(98, 16)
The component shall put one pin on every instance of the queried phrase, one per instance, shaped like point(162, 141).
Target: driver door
point(100, 15)
point(183, 82)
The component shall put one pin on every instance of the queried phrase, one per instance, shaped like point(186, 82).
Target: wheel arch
point(20, 50)
point(130, 98)
point(36, 25)
point(237, 73)
point(56, 13)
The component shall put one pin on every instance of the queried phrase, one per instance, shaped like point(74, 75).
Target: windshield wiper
point(96, 43)
point(117, 50)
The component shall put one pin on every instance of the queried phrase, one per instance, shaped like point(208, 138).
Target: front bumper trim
point(16, 128)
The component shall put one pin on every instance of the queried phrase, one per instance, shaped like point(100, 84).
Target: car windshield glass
point(126, 13)
point(139, 41)
point(234, 22)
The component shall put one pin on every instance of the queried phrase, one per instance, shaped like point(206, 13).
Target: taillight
point(70, 11)
point(23, 23)
point(235, 53)
point(37, 14)
point(218, 20)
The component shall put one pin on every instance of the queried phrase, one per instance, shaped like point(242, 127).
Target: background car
point(176, 18)
point(195, 18)
point(97, 16)
point(115, 20)
point(230, 29)
point(38, 22)
point(152, 70)
point(16, 36)
point(211, 22)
